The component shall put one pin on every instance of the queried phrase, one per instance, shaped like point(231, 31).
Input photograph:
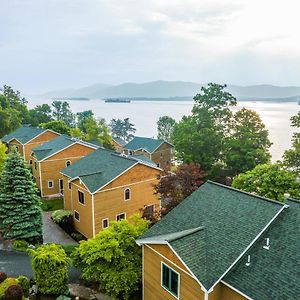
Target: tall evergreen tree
point(20, 212)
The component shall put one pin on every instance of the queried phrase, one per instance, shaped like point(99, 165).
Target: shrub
point(6, 284)
point(20, 245)
point(112, 258)
point(77, 236)
point(3, 276)
point(50, 265)
point(62, 216)
point(52, 204)
point(24, 283)
point(69, 248)
point(13, 292)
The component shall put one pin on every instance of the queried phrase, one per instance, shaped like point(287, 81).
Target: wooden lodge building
point(51, 157)
point(159, 151)
point(107, 186)
point(224, 244)
point(25, 138)
point(118, 144)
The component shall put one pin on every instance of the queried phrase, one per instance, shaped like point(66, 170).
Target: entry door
point(61, 186)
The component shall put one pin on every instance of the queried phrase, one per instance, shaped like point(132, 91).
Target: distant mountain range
point(176, 89)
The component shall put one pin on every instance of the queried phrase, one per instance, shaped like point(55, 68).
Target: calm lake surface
point(144, 115)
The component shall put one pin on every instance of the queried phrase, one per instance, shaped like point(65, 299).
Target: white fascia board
point(236, 290)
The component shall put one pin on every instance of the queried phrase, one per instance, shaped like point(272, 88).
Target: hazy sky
point(55, 44)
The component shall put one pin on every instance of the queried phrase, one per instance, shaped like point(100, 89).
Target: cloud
point(57, 44)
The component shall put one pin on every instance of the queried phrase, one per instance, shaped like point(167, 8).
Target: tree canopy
point(247, 144)
point(20, 211)
point(62, 112)
point(57, 126)
point(270, 181)
point(122, 129)
point(291, 157)
point(40, 114)
point(112, 258)
point(175, 187)
point(165, 128)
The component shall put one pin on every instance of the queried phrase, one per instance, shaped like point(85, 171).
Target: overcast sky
point(56, 44)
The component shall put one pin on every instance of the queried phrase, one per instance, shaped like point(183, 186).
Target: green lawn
point(52, 204)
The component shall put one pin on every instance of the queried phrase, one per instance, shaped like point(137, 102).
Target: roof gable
point(231, 220)
point(101, 167)
point(277, 267)
point(56, 145)
point(23, 134)
point(148, 144)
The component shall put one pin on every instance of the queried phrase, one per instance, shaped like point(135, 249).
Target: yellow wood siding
point(189, 288)
point(14, 143)
point(163, 156)
point(226, 293)
point(51, 167)
point(39, 140)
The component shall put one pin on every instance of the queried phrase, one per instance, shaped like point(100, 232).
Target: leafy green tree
point(270, 181)
point(81, 118)
point(62, 112)
point(165, 128)
point(3, 156)
point(97, 130)
point(248, 143)
point(10, 118)
point(199, 138)
point(40, 114)
point(291, 157)
point(20, 211)
point(112, 258)
point(77, 133)
point(50, 265)
point(122, 129)
point(57, 126)
point(16, 102)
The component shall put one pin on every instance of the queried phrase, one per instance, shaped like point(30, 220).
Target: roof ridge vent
point(248, 263)
point(267, 245)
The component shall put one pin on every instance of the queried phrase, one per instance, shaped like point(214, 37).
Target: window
point(158, 165)
point(127, 194)
point(148, 211)
point(76, 215)
point(105, 223)
point(70, 187)
point(68, 163)
point(121, 216)
point(17, 148)
point(81, 197)
point(30, 161)
point(130, 152)
point(35, 165)
point(50, 184)
point(170, 280)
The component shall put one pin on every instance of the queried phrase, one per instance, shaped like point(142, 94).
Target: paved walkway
point(53, 233)
point(18, 263)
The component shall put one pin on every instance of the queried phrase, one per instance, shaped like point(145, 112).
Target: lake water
point(144, 115)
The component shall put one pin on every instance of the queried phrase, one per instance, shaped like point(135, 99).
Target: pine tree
point(20, 211)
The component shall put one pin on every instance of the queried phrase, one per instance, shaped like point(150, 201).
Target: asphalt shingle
point(148, 144)
point(231, 220)
point(23, 134)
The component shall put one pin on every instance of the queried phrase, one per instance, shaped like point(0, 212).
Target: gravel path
point(53, 233)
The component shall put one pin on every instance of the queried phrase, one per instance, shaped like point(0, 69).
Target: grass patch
point(52, 204)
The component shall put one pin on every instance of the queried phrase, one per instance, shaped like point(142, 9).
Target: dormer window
point(127, 194)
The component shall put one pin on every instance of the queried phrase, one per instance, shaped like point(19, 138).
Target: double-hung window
point(170, 280)
point(81, 197)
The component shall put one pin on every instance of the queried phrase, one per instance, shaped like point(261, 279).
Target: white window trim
point(161, 279)
point(68, 161)
point(123, 213)
point(50, 187)
point(78, 214)
point(83, 204)
point(125, 194)
point(107, 223)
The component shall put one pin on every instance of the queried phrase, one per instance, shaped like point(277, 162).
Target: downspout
point(93, 215)
point(40, 173)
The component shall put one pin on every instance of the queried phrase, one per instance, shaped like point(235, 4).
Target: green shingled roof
point(148, 144)
point(273, 273)
point(23, 134)
point(99, 168)
point(120, 141)
point(230, 221)
point(144, 159)
point(49, 148)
